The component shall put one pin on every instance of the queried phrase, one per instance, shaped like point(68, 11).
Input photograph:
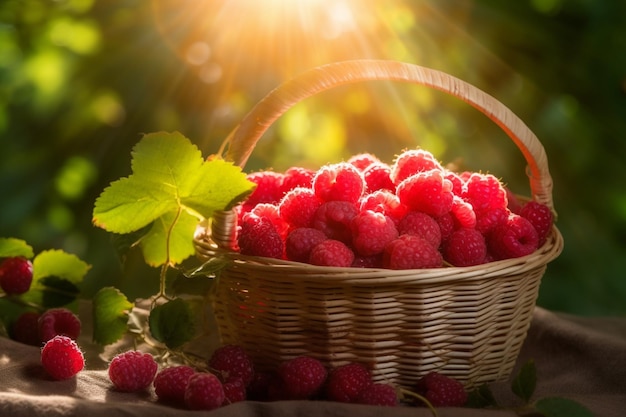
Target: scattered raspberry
point(331, 253)
point(204, 392)
point(363, 160)
point(232, 361)
point(426, 191)
point(371, 232)
point(16, 275)
point(411, 252)
point(26, 328)
point(170, 383)
point(345, 383)
point(385, 202)
point(422, 225)
point(515, 238)
point(410, 162)
point(298, 207)
point(62, 358)
point(58, 321)
point(268, 189)
point(377, 177)
point(379, 394)
point(463, 213)
point(441, 390)
point(484, 192)
point(259, 237)
point(303, 377)
point(132, 371)
point(334, 218)
point(297, 177)
point(234, 390)
point(339, 182)
point(301, 241)
point(541, 217)
point(465, 247)
point(487, 220)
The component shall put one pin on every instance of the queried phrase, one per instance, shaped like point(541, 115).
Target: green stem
point(421, 398)
point(166, 264)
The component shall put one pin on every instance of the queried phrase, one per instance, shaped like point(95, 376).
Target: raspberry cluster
point(411, 214)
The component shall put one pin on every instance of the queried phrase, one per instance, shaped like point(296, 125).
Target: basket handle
point(242, 140)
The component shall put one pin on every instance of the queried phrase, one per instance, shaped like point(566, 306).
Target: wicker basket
point(467, 322)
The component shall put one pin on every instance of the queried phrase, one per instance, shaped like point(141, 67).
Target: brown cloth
point(580, 358)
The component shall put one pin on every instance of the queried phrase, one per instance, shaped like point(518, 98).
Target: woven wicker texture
point(468, 322)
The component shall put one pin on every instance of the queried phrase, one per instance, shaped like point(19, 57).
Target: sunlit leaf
point(58, 263)
point(110, 315)
point(10, 247)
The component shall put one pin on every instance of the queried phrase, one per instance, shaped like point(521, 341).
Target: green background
point(81, 80)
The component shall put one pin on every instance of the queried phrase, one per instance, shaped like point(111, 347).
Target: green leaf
point(481, 397)
point(154, 243)
point(561, 407)
point(110, 315)
point(173, 323)
point(524, 383)
point(11, 247)
point(59, 264)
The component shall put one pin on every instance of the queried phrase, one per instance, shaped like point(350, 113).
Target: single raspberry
point(371, 232)
point(426, 191)
point(303, 377)
point(232, 361)
point(204, 392)
point(410, 162)
point(271, 212)
point(268, 187)
point(339, 182)
point(515, 238)
point(297, 177)
point(465, 247)
point(298, 207)
point(132, 371)
point(446, 224)
point(379, 394)
point(259, 237)
point(489, 219)
point(441, 390)
point(377, 177)
point(234, 390)
point(373, 261)
point(334, 218)
point(362, 161)
point(463, 213)
point(58, 321)
point(541, 217)
point(457, 182)
point(345, 383)
point(484, 192)
point(25, 328)
point(301, 241)
point(411, 252)
point(16, 275)
point(385, 202)
point(62, 358)
point(331, 253)
point(422, 225)
point(170, 383)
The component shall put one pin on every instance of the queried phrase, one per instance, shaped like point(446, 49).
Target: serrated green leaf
point(173, 323)
point(59, 264)
point(561, 407)
point(110, 315)
point(154, 243)
point(10, 247)
point(481, 397)
point(524, 383)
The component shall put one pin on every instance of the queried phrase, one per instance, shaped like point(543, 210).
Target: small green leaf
point(10, 247)
point(110, 315)
point(59, 264)
point(481, 397)
point(561, 407)
point(210, 268)
point(173, 323)
point(524, 383)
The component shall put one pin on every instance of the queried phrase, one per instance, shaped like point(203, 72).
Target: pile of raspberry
point(410, 214)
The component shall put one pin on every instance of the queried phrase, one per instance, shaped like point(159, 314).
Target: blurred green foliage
point(81, 80)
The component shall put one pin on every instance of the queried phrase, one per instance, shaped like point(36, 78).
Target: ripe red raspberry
point(377, 177)
point(331, 253)
point(463, 213)
point(411, 252)
point(334, 218)
point(339, 182)
point(58, 321)
point(426, 191)
point(234, 390)
point(465, 247)
point(259, 237)
point(16, 275)
point(132, 371)
point(268, 187)
point(204, 392)
point(484, 192)
point(515, 238)
point(62, 358)
point(345, 383)
point(379, 394)
point(303, 377)
point(26, 328)
point(487, 220)
point(371, 232)
point(541, 217)
point(422, 225)
point(457, 182)
point(270, 212)
point(298, 207)
point(410, 162)
point(374, 261)
point(385, 202)
point(170, 383)
point(363, 160)
point(297, 177)
point(441, 390)
point(446, 225)
point(232, 361)
point(301, 241)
